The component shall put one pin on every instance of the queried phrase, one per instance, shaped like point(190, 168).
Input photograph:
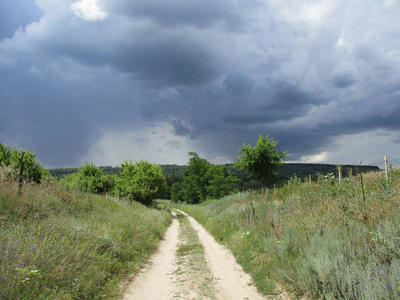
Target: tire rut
point(190, 264)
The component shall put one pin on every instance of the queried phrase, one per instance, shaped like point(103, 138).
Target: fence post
point(339, 167)
point(21, 173)
point(386, 168)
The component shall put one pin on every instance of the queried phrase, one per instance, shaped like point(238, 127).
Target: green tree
point(142, 181)
point(220, 182)
point(176, 192)
point(201, 180)
point(193, 187)
point(89, 178)
point(33, 170)
point(263, 160)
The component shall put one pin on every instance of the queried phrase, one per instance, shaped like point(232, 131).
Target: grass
point(56, 244)
point(324, 240)
point(194, 271)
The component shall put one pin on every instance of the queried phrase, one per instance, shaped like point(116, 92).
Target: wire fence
point(392, 163)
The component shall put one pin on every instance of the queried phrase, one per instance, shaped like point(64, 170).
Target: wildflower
point(389, 286)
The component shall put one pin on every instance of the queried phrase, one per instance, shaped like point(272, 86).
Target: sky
point(104, 81)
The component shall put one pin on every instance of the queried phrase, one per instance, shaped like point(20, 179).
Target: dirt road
point(191, 265)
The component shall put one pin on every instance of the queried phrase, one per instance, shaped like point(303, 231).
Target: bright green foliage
point(142, 181)
point(263, 160)
point(201, 180)
point(89, 178)
point(33, 171)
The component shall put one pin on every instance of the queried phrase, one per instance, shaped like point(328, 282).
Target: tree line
point(200, 180)
point(255, 167)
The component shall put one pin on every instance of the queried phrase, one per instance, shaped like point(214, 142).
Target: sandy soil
point(160, 279)
point(231, 281)
point(157, 279)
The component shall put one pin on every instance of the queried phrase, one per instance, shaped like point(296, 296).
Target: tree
point(192, 189)
point(89, 178)
point(142, 181)
point(11, 157)
point(220, 182)
point(263, 160)
point(201, 180)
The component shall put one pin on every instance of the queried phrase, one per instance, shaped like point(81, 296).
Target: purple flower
point(389, 286)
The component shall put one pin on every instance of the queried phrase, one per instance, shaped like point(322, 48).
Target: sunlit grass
point(56, 244)
point(323, 240)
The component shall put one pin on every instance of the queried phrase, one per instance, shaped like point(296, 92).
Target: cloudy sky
point(103, 81)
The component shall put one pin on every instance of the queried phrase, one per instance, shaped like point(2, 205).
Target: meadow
point(320, 240)
point(58, 244)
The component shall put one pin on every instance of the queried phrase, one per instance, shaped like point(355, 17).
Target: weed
point(325, 239)
point(56, 244)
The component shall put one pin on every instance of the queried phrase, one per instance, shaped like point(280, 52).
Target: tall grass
point(56, 244)
point(325, 240)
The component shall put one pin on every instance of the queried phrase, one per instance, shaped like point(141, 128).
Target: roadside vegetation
point(59, 244)
point(139, 181)
point(324, 240)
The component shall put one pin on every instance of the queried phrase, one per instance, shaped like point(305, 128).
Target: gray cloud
point(178, 12)
point(213, 75)
point(17, 14)
point(179, 128)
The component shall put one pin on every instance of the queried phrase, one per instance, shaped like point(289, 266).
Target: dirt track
point(160, 278)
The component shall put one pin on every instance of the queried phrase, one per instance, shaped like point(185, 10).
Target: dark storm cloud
point(179, 128)
point(237, 83)
point(183, 12)
point(171, 61)
point(216, 74)
point(43, 118)
point(146, 51)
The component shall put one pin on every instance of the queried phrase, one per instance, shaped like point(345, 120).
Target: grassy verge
point(324, 240)
point(193, 270)
point(56, 244)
